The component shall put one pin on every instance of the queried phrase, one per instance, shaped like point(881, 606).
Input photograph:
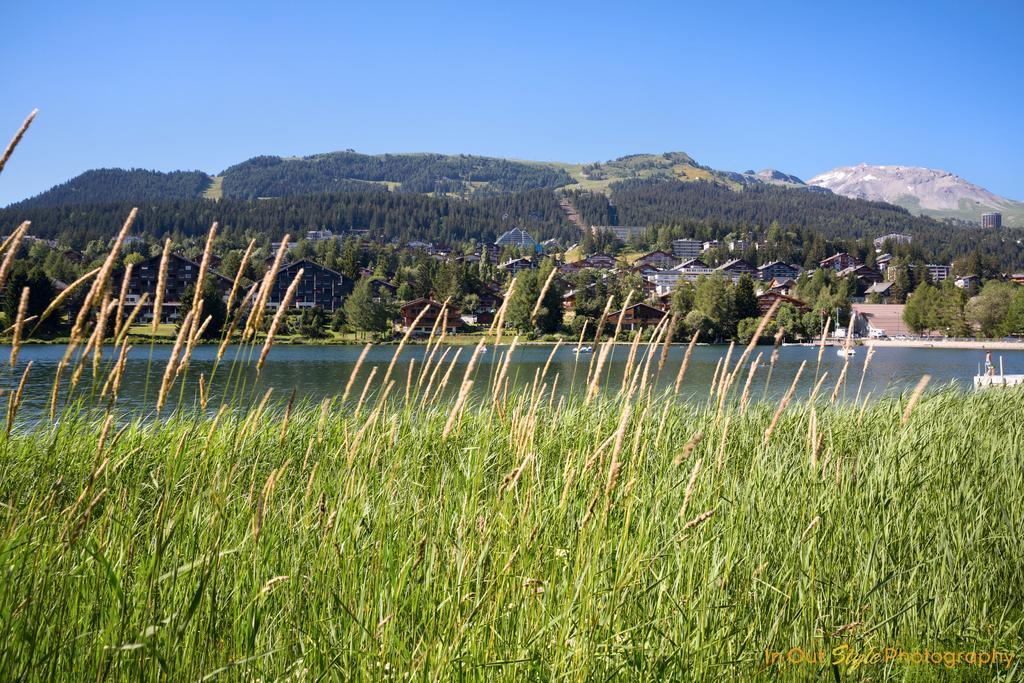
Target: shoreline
point(968, 344)
point(975, 344)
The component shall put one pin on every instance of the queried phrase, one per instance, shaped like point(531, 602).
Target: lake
point(315, 372)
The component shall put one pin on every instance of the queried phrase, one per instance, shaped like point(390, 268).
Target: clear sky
point(802, 87)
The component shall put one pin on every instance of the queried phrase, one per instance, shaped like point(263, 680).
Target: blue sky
point(802, 87)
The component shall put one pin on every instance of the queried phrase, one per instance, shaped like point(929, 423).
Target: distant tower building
point(992, 220)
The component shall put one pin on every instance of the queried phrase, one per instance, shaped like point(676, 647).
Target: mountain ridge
point(922, 191)
point(463, 175)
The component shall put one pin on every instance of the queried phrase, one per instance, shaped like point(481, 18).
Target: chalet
point(777, 270)
point(517, 265)
point(782, 285)
point(882, 262)
point(883, 290)
point(657, 259)
point(409, 311)
point(736, 268)
point(381, 288)
point(598, 261)
point(765, 301)
point(490, 301)
point(319, 287)
point(181, 273)
point(839, 262)
point(491, 298)
point(866, 275)
point(636, 316)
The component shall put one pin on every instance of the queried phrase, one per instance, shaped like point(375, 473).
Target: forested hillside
point(117, 184)
point(268, 176)
point(666, 203)
point(387, 215)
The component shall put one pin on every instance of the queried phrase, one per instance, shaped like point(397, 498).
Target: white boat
point(584, 349)
point(843, 351)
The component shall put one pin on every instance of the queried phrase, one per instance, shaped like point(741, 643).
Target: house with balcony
point(181, 274)
point(432, 310)
point(777, 270)
point(839, 262)
point(320, 287)
point(660, 260)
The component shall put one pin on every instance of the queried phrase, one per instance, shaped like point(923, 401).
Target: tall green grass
point(500, 534)
point(536, 541)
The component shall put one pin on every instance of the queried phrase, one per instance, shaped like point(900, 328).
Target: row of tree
point(996, 311)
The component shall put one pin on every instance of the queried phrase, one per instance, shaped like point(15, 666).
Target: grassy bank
point(503, 533)
point(534, 540)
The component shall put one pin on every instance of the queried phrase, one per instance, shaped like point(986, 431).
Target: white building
point(938, 272)
point(687, 249)
point(665, 281)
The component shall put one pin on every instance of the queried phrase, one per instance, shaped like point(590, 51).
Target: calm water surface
point(315, 372)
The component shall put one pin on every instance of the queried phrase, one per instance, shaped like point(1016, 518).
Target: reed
point(425, 494)
point(19, 325)
point(12, 245)
point(275, 323)
point(161, 285)
point(204, 265)
point(9, 150)
point(255, 320)
point(236, 283)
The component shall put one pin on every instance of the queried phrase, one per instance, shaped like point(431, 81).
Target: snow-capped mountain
point(921, 190)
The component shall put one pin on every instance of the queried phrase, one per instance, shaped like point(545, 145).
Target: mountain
point(272, 176)
point(118, 184)
point(449, 175)
point(923, 191)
